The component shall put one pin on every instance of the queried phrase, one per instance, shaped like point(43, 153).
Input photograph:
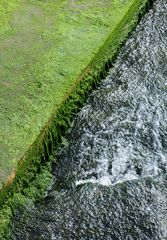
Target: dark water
point(110, 178)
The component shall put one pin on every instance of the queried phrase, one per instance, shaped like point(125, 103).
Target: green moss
point(25, 198)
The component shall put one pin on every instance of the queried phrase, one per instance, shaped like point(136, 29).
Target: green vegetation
point(26, 198)
point(45, 46)
point(6, 10)
point(52, 54)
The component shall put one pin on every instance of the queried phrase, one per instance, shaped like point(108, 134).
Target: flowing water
point(110, 178)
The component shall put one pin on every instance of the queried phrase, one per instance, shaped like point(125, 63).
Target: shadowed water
point(110, 178)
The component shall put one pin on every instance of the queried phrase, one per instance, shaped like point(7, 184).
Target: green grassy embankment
point(51, 54)
point(45, 47)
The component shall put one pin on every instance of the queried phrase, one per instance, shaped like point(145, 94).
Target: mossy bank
point(52, 55)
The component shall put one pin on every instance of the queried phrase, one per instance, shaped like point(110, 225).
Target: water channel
point(110, 180)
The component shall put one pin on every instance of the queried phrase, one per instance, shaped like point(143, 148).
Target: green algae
point(25, 199)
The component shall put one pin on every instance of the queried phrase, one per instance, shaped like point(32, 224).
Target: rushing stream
point(110, 180)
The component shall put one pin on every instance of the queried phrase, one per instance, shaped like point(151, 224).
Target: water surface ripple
point(110, 180)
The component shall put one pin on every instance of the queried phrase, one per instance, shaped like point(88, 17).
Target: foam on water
point(125, 119)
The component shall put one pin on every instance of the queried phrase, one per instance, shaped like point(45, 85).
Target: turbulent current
point(110, 180)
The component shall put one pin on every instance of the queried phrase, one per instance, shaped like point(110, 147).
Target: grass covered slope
point(45, 49)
